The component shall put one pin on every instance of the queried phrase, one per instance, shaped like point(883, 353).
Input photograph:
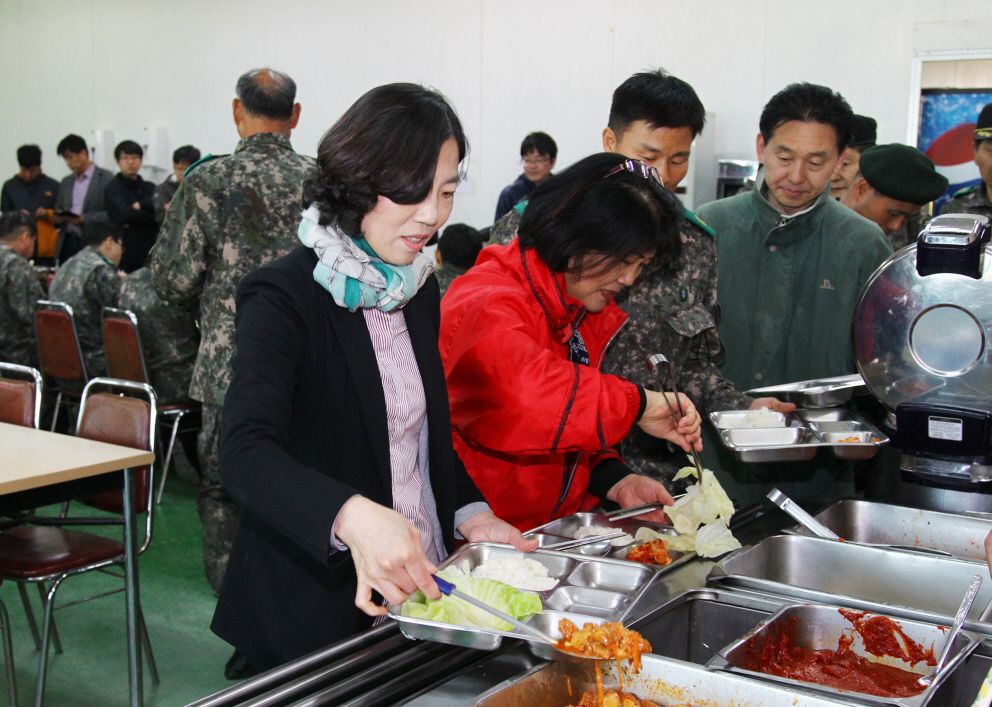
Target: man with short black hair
point(863, 137)
point(81, 196)
point(893, 183)
point(19, 290)
point(182, 159)
point(230, 216)
point(977, 199)
point(457, 249)
point(34, 193)
point(129, 205)
point(88, 282)
point(538, 153)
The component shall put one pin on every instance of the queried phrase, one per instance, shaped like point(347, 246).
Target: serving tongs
point(587, 540)
point(653, 362)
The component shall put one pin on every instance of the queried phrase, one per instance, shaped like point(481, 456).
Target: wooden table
point(35, 460)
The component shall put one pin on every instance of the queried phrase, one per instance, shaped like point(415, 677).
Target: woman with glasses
point(523, 335)
point(337, 439)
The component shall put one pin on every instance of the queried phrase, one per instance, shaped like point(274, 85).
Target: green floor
point(178, 605)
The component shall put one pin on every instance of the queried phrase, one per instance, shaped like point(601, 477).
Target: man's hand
point(773, 403)
point(657, 420)
point(988, 551)
point(637, 490)
point(486, 527)
point(41, 213)
point(136, 205)
point(388, 554)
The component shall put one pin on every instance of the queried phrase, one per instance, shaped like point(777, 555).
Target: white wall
point(509, 66)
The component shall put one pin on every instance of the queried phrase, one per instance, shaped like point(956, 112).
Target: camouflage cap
point(902, 173)
point(983, 129)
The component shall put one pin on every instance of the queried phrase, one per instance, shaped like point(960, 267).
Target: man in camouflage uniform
point(19, 290)
point(977, 199)
point(457, 249)
point(88, 282)
point(654, 118)
point(228, 217)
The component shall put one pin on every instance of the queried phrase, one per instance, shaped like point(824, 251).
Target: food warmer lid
point(923, 324)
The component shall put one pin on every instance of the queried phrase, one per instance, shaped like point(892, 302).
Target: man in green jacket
point(792, 260)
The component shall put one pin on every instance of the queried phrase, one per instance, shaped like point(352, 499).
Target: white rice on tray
point(621, 541)
point(516, 570)
point(762, 418)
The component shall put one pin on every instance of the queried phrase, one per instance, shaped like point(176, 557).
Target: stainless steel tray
point(905, 584)
point(819, 627)
point(817, 393)
point(805, 432)
point(566, 527)
point(866, 522)
point(662, 680)
point(589, 590)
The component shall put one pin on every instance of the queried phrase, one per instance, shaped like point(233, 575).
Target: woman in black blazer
point(313, 448)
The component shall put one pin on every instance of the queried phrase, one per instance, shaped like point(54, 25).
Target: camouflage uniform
point(909, 231)
point(88, 282)
point(228, 217)
point(970, 200)
point(446, 274)
point(169, 336)
point(19, 293)
point(674, 313)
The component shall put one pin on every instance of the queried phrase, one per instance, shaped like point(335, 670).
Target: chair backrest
point(58, 344)
point(20, 395)
point(128, 421)
point(122, 346)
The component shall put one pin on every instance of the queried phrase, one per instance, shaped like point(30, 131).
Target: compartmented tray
point(867, 522)
point(819, 627)
point(565, 528)
point(589, 590)
point(909, 585)
point(805, 431)
point(816, 393)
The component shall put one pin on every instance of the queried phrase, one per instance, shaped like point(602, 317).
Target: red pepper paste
point(840, 669)
point(881, 635)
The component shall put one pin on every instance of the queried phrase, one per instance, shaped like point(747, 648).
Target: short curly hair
point(386, 144)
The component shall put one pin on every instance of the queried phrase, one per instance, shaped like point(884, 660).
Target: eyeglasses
point(637, 167)
point(533, 162)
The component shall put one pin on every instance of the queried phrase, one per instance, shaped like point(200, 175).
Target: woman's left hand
point(486, 527)
point(637, 490)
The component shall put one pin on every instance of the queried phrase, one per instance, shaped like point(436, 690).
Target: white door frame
point(916, 81)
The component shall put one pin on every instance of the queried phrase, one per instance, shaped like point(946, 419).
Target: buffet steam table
point(40, 468)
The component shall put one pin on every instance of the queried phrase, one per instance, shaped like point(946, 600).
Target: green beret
point(983, 129)
point(865, 131)
point(902, 173)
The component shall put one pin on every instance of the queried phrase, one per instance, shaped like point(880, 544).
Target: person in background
point(81, 196)
point(182, 159)
point(864, 137)
point(654, 117)
point(456, 252)
point(34, 193)
point(977, 199)
point(88, 282)
point(229, 217)
point(538, 153)
point(893, 183)
point(129, 205)
point(19, 290)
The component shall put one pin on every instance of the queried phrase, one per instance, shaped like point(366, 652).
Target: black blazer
point(304, 429)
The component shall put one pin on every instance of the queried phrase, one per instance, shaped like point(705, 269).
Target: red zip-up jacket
point(535, 431)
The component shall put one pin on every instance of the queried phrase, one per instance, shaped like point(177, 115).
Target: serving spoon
point(969, 597)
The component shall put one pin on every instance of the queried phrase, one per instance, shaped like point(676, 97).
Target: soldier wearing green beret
point(865, 135)
point(977, 199)
point(893, 183)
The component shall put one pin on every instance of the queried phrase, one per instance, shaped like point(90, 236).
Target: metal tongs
point(653, 363)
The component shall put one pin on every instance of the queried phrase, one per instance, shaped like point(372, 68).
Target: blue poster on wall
point(947, 134)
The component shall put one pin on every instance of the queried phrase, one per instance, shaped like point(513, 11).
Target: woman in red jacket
point(523, 335)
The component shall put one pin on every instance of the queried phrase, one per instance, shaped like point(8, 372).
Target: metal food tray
point(866, 522)
point(804, 433)
point(661, 680)
point(589, 590)
point(817, 393)
point(565, 528)
point(819, 627)
point(909, 585)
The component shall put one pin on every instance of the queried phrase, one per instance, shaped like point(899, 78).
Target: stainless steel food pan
point(962, 536)
point(819, 627)
point(661, 680)
point(915, 586)
point(817, 393)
